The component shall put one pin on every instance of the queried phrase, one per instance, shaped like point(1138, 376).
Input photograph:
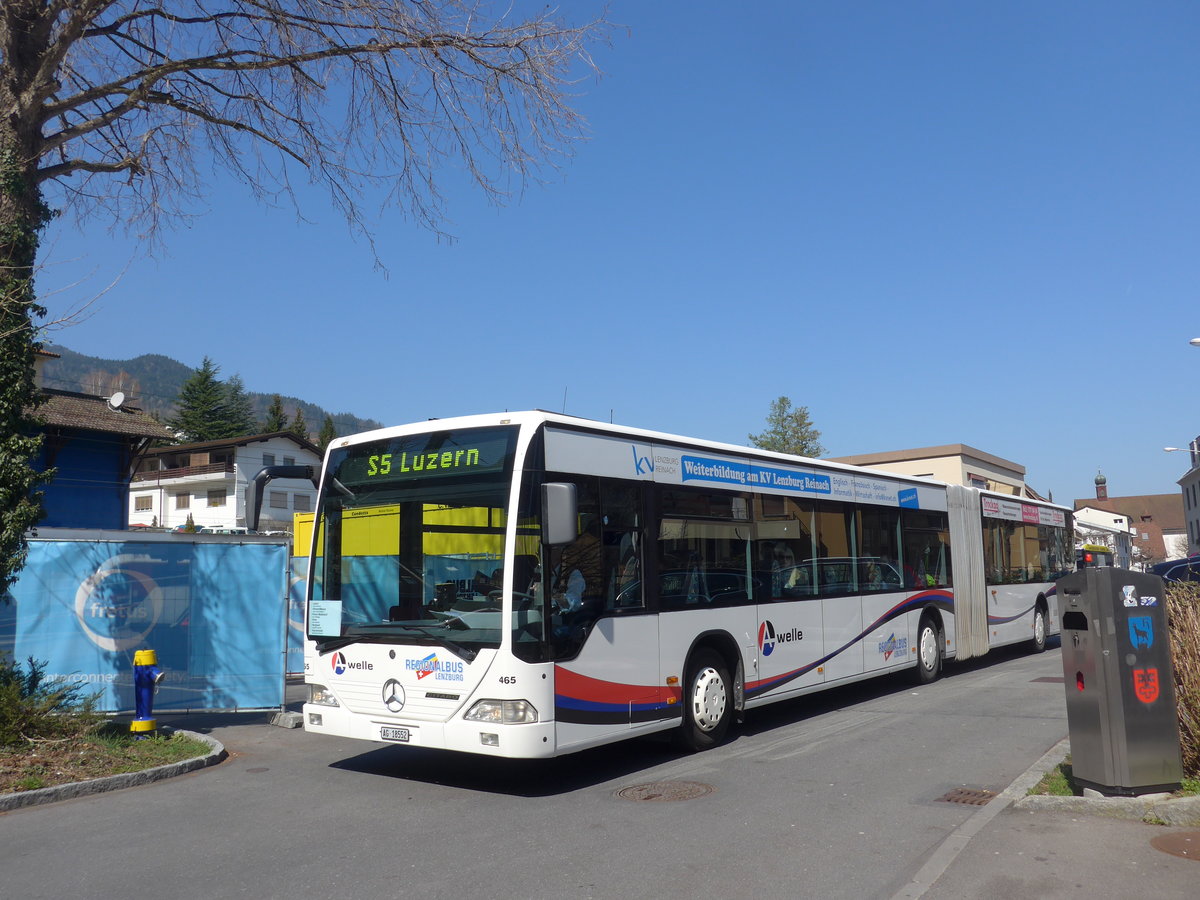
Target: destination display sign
point(438, 454)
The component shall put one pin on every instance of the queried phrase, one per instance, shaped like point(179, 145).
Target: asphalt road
point(836, 795)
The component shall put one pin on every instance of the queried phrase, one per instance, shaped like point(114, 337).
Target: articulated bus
point(529, 584)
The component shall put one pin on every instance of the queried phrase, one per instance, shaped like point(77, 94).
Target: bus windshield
point(410, 545)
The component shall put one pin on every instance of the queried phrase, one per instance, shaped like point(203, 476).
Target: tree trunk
point(23, 214)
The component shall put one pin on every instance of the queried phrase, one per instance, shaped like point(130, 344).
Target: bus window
point(621, 508)
point(703, 544)
point(836, 568)
point(878, 548)
point(926, 561)
point(783, 549)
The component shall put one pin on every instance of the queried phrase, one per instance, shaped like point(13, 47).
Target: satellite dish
point(115, 401)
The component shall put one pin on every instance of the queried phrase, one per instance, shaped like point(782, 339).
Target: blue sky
point(928, 222)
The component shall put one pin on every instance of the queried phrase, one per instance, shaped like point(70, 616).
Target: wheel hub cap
point(708, 699)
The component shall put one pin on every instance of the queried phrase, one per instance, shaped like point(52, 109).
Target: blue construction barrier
point(297, 579)
point(213, 607)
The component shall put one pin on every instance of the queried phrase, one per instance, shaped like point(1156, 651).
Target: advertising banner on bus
point(569, 451)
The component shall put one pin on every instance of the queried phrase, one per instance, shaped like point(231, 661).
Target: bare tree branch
point(361, 94)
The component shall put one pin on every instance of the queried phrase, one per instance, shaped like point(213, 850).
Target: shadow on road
point(577, 771)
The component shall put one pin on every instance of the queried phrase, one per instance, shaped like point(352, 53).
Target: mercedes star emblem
point(393, 695)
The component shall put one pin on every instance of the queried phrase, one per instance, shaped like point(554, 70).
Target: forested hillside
point(152, 382)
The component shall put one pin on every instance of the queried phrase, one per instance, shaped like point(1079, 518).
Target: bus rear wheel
point(1039, 630)
point(929, 651)
point(707, 701)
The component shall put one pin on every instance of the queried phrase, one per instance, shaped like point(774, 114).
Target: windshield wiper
point(453, 646)
point(368, 637)
point(346, 640)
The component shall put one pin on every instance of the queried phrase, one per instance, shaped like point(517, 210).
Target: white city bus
point(529, 584)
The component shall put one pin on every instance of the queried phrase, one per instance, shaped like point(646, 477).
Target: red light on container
point(1079, 680)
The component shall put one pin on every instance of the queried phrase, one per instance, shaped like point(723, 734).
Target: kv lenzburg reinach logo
point(767, 638)
point(117, 606)
point(393, 695)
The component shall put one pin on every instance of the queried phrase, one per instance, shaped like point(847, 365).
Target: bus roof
point(537, 417)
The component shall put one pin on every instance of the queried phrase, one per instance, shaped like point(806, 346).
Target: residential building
point(1189, 485)
point(952, 463)
point(207, 481)
point(92, 443)
point(1157, 521)
point(1104, 528)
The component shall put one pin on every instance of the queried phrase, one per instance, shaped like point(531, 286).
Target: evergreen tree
point(299, 426)
point(241, 410)
point(789, 430)
point(327, 433)
point(277, 419)
point(203, 406)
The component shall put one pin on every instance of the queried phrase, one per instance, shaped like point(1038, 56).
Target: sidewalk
point(1062, 847)
point(1039, 854)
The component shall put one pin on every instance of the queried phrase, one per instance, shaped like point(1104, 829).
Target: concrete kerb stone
point(1155, 809)
point(216, 754)
point(954, 844)
point(1184, 811)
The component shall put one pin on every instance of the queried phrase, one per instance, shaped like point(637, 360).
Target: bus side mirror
point(560, 513)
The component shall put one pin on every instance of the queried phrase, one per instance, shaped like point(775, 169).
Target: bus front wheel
point(707, 701)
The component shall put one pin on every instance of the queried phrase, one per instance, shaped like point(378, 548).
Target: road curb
point(10, 802)
point(954, 844)
point(1159, 811)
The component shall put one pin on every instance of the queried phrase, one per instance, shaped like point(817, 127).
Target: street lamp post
point(1193, 448)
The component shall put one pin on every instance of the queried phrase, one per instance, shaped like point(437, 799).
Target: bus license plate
point(395, 734)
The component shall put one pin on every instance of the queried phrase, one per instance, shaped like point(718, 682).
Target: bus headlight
point(319, 695)
point(508, 712)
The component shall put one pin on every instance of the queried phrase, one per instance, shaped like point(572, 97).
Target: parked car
point(1178, 569)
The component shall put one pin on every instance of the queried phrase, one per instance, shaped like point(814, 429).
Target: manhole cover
point(1179, 843)
point(968, 796)
point(666, 790)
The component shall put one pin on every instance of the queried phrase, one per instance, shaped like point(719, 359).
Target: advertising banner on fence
point(214, 611)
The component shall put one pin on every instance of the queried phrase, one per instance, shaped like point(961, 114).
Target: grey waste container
point(1120, 685)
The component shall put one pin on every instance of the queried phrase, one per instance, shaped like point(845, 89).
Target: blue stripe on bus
point(943, 600)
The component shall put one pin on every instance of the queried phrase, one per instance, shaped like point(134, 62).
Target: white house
point(207, 481)
point(1105, 528)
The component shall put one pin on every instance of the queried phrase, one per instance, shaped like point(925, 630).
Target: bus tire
point(707, 701)
point(1039, 629)
point(929, 650)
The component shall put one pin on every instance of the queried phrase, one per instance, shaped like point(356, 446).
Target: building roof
point(87, 412)
point(234, 442)
point(946, 450)
point(1164, 510)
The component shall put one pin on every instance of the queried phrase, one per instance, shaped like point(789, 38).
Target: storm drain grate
point(1049, 679)
point(666, 790)
point(968, 796)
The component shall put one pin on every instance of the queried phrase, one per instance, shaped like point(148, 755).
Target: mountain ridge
point(152, 381)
